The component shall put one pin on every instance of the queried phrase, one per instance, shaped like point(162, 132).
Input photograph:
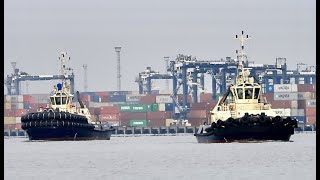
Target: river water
point(160, 157)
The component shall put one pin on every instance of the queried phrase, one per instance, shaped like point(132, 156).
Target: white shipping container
point(9, 120)
point(163, 99)
point(18, 120)
point(294, 104)
point(294, 87)
point(133, 98)
point(285, 96)
point(282, 112)
point(311, 103)
point(285, 88)
point(297, 112)
point(7, 98)
point(98, 104)
point(162, 107)
point(7, 105)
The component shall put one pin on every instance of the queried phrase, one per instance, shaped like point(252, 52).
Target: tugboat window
point(240, 93)
point(248, 93)
point(256, 93)
point(58, 100)
point(52, 101)
point(64, 99)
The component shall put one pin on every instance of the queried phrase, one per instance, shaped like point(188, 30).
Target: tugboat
point(61, 119)
point(243, 114)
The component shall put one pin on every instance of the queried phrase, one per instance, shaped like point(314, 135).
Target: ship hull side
point(244, 134)
point(67, 133)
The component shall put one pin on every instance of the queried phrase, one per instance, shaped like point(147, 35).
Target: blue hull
point(63, 126)
point(67, 133)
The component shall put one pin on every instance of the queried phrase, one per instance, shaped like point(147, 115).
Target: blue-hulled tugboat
point(243, 113)
point(62, 119)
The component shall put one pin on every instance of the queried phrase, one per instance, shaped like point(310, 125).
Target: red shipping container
point(85, 97)
point(101, 93)
point(198, 114)
point(9, 113)
point(111, 117)
point(180, 98)
point(148, 99)
point(9, 126)
point(306, 87)
point(197, 121)
point(281, 104)
point(28, 98)
point(124, 122)
point(203, 105)
point(130, 115)
point(109, 109)
point(269, 96)
point(311, 111)
point(20, 112)
point(156, 122)
point(18, 126)
point(206, 97)
point(158, 115)
point(311, 120)
point(105, 98)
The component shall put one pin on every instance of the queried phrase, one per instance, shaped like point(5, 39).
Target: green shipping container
point(135, 107)
point(155, 107)
point(141, 107)
point(138, 122)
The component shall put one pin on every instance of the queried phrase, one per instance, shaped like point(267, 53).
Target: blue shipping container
point(168, 106)
point(96, 98)
point(269, 88)
point(26, 105)
point(117, 98)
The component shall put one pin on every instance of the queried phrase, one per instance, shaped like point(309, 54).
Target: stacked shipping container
point(126, 108)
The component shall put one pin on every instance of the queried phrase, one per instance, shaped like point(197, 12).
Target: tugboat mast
point(241, 56)
point(63, 57)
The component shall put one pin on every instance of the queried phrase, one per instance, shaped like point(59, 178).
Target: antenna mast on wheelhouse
point(241, 56)
point(63, 57)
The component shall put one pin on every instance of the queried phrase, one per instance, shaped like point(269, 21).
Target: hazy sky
point(36, 31)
